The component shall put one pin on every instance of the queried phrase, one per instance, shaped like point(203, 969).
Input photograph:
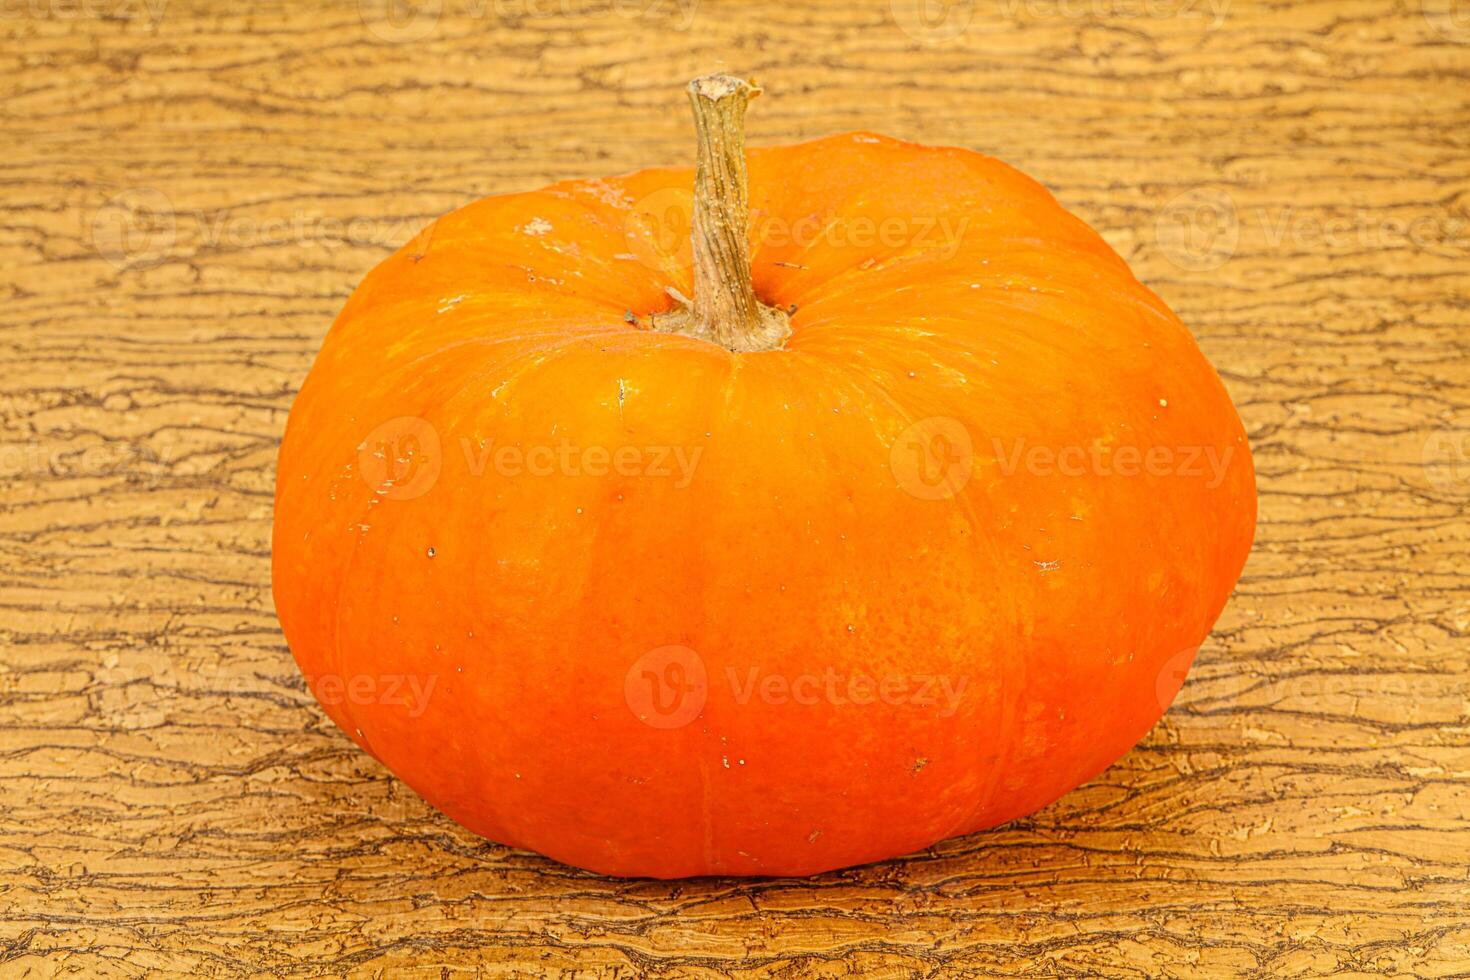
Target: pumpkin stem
point(725, 309)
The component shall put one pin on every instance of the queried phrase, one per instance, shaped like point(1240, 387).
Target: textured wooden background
point(190, 191)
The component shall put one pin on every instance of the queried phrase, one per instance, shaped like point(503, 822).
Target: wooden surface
point(190, 191)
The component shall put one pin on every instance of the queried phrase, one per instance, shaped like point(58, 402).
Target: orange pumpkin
point(884, 507)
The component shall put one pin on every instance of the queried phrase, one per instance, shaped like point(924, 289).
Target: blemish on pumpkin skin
point(608, 194)
point(920, 763)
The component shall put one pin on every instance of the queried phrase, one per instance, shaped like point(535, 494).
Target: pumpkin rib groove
point(948, 275)
point(553, 341)
point(931, 274)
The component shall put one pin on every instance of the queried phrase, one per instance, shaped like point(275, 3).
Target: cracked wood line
point(173, 802)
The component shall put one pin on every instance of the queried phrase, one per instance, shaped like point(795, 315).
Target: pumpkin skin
point(546, 624)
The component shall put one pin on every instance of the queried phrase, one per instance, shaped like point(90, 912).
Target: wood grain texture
point(190, 190)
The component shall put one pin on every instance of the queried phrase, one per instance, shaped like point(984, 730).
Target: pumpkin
point(795, 512)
